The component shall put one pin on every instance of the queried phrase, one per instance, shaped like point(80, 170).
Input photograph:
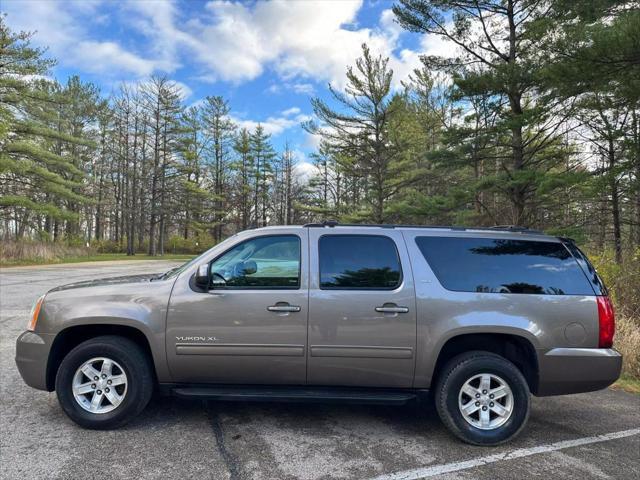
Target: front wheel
point(104, 382)
point(482, 398)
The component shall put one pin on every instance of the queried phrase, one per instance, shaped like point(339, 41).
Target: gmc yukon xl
point(479, 317)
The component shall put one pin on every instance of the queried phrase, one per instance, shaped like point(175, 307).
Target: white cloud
point(304, 171)
point(64, 27)
point(291, 111)
point(312, 141)
point(298, 88)
point(437, 46)
point(201, 102)
point(237, 42)
point(101, 57)
point(389, 25)
point(303, 88)
point(302, 42)
point(274, 125)
point(185, 90)
point(156, 20)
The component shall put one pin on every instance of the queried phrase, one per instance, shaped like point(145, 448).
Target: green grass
point(628, 384)
point(101, 257)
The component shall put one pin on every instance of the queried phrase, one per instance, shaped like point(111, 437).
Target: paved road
point(567, 437)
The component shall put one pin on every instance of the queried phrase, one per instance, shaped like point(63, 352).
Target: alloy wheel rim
point(99, 385)
point(486, 401)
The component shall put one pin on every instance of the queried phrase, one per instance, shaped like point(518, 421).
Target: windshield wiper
point(164, 275)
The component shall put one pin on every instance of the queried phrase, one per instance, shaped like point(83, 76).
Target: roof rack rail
point(504, 228)
point(515, 228)
point(324, 223)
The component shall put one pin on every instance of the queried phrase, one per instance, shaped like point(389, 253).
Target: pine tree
point(244, 168)
point(359, 130)
point(495, 53)
point(37, 171)
point(197, 200)
point(219, 130)
point(284, 187)
point(595, 63)
point(161, 99)
point(325, 183)
point(263, 154)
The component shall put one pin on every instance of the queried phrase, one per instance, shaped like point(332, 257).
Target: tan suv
point(326, 312)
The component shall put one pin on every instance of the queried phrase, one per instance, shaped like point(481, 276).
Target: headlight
point(35, 312)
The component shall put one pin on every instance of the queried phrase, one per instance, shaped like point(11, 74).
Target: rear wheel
point(104, 382)
point(482, 398)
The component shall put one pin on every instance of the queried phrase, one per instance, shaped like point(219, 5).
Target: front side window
point(264, 262)
point(358, 262)
point(504, 266)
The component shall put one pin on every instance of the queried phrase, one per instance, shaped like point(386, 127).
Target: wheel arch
point(67, 339)
point(518, 349)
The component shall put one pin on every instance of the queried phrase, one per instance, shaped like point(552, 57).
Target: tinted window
point(587, 268)
point(358, 261)
point(504, 266)
point(263, 262)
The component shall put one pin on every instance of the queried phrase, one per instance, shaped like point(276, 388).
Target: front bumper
point(32, 355)
point(575, 370)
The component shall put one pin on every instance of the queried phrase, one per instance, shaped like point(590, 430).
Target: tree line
point(532, 120)
point(133, 170)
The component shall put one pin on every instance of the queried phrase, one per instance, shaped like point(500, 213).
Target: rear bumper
point(32, 355)
point(575, 370)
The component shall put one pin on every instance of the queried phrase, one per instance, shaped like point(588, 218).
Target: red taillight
point(607, 321)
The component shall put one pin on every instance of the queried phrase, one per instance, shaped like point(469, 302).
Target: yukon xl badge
point(196, 339)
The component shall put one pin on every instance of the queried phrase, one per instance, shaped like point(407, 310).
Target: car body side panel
point(546, 321)
point(141, 305)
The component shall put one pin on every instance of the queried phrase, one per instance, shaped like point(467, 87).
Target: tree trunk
point(615, 202)
point(518, 192)
point(635, 131)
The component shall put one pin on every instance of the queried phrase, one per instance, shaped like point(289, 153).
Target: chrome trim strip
point(361, 351)
point(239, 349)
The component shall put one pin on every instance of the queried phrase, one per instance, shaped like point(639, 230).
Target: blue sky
point(266, 58)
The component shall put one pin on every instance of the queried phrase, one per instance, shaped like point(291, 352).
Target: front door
point(251, 327)
point(362, 316)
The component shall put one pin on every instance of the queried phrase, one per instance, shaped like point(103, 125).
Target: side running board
point(296, 394)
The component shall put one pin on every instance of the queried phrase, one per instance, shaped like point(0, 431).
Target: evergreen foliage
point(534, 119)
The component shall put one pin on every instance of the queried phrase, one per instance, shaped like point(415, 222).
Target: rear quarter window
point(504, 266)
point(587, 268)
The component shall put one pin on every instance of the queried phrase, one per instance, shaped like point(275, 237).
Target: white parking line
point(434, 470)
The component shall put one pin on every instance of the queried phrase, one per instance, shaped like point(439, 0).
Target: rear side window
point(358, 262)
point(587, 268)
point(504, 266)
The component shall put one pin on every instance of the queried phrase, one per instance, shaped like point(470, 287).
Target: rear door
point(362, 319)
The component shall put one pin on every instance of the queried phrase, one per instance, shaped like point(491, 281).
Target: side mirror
point(242, 269)
point(250, 267)
point(203, 278)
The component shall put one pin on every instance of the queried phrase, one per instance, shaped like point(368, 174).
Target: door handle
point(391, 308)
point(283, 307)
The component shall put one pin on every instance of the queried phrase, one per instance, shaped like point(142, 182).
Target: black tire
point(140, 381)
point(454, 375)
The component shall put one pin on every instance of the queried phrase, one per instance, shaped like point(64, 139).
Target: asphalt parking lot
point(584, 436)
